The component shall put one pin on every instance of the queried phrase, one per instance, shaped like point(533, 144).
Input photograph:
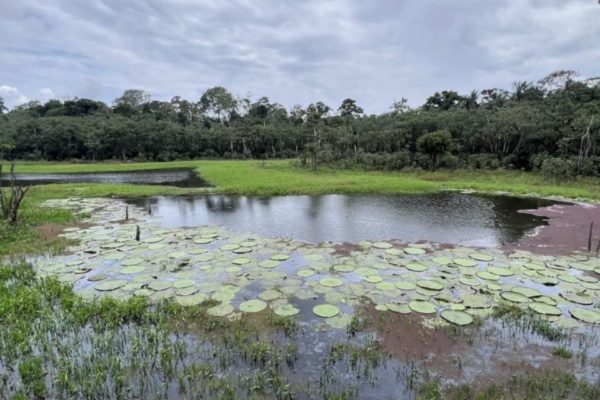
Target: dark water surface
point(181, 177)
point(446, 217)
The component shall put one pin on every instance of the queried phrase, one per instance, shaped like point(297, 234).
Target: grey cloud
point(294, 52)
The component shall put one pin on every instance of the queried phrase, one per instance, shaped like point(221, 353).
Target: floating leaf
point(545, 309)
point(430, 284)
point(481, 257)
point(416, 267)
point(221, 310)
point(465, 262)
point(252, 306)
point(585, 315)
point(514, 297)
point(331, 282)
point(422, 307)
point(325, 310)
point(111, 285)
point(285, 310)
point(457, 317)
point(414, 251)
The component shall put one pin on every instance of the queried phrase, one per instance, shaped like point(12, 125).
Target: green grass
point(279, 177)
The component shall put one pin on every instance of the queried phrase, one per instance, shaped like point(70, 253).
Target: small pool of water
point(446, 217)
point(181, 177)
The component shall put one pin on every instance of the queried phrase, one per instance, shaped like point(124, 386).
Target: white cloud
point(293, 52)
point(12, 96)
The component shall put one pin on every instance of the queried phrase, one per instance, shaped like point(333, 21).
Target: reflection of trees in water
point(222, 203)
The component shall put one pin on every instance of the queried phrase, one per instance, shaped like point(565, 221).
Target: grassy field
point(278, 177)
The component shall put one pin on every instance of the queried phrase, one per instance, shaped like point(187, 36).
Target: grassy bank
point(278, 177)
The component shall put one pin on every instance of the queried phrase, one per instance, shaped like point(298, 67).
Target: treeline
point(552, 126)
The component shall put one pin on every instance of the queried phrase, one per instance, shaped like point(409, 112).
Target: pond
point(446, 217)
point(181, 177)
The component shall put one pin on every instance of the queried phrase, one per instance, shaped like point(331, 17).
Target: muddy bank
point(567, 230)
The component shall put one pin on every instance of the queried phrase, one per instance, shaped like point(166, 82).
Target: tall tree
point(219, 102)
point(315, 113)
point(2, 106)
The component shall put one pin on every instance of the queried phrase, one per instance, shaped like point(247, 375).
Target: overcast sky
point(294, 52)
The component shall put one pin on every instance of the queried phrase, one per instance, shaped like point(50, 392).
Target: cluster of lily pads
point(247, 274)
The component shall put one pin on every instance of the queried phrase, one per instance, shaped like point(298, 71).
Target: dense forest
point(552, 126)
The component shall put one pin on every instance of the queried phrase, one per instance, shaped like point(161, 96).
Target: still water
point(183, 177)
point(446, 217)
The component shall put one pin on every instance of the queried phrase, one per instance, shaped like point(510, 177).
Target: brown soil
point(49, 232)
point(567, 230)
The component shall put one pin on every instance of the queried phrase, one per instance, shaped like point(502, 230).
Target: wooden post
point(126, 213)
point(137, 233)
point(590, 236)
point(149, 210)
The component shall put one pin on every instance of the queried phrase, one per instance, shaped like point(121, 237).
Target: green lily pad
point(331, 282)
point(325, 310)
point(252, 306)
point(96, 277)
point(399, 308)
point(476, 301)
point(382, 245)
point(268, 264)
point(191, 300)
point(514, 297)
point(132, 261)
point(585, 315)
point(465, 262)
point(416, 267)
point(241, 260)
point(220, 310)
point(481, 257)
point(442, 260)
point(373, 278)
point(430, 284)
point(414, 251)
point(545, 309)
point(183, 283)
point(111, 285)
point(422, 307)
point(159, 286)
point(305, 273)
point(187, 291)
point(339, 321)
point(469, 281)
point(576, 298)
point(500, 271)
point(525, 291)
point(343, 268)
point(285, 310)
point(385, 286)
point(457, 317)
point(270, 294)
point(134, 269)
point(280, 257)
point(405, 286)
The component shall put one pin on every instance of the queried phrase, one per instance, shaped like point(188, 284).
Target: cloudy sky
point(294, 52)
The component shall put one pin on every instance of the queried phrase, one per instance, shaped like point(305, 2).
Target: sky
point(294, 52)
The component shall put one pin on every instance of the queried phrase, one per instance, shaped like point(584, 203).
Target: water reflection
point(455, 218)
point(183, 177)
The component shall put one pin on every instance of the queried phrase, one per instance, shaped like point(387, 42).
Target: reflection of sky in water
point(443, 217)
point(184, 177)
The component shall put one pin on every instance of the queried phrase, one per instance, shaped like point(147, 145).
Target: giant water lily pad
point(159, 286)
point(457, 317)
point(405, 285)
point(269, 264)
point(373, 278)
point(252, 306)
point(331, 282)
point(270, 294)
point(305, 273)
point(134, 269)
point(241, 260)
point(481, 257)
point(280, 257)
point(220, 310)
point(585, 315)
point(382, 245)
point(416, 267)
point(96, 277)
point(325, 310)
point(430, 284)
point(285, 310)
point(132, 261)
point(399, 308)
point(183, 283)
point(191, 300)
point(514, 297)
point(422, 307)
point(187, 291)
point(500, 271)
point(111, 285)
point(339, 321)
point(576, 298)
point(414, 251)
point(476, 301)
point(544, 309)
point(465, 262)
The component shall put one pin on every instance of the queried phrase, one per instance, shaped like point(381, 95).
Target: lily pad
point(585, 315)
point(414, 251)
point(111, 285)
point(134, 269)
point(280, 257)
point(457, 317)
point(405, 286)
point(220, 310)
point(331, 282)
point(422, 307)
point(465, 262)
point(325, 310)
point(481, 257)
point(382, 245)
point(252, 306)
point(268, 264)
point(430, 284)
point(545, 309)
point(577, 298)
point(514, 297)
point(159, 286)
point(416, 267)
point(285, 310)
